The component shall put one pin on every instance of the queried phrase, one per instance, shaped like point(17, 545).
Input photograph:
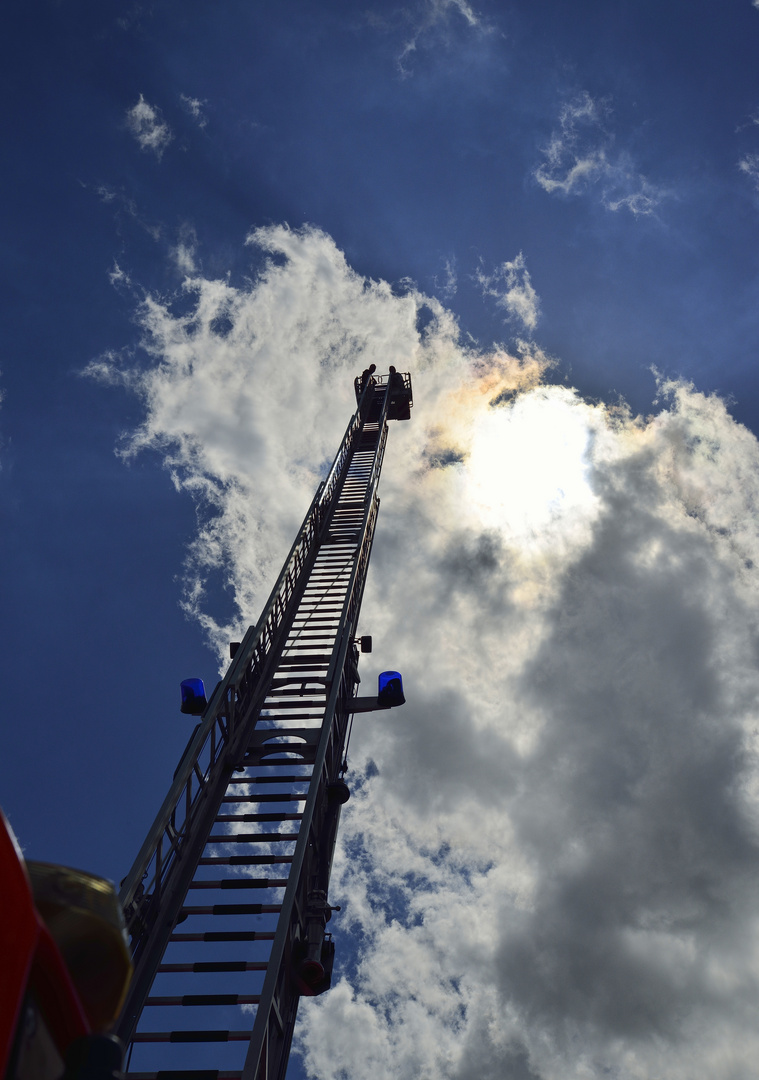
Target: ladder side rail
point(272, 1011)
point(255, 646)
point(249, 659)
point(157, 916)
point(367, 395)
point(355, 592)
point(167, 906)
point(177, 860)
point(352, 603)
point(379, 456)
point(312, 523)
point(159, 912)
point(277, 1009)
point(353, 600)
point(276, 1031)
point(315, 872)
point(343, 453)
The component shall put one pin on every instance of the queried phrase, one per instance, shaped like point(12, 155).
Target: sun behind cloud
point(527, 472)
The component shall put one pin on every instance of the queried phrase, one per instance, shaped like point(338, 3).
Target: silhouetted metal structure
point(230, 889)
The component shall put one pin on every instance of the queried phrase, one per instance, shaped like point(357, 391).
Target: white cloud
point(126, 205)
point(185, 251)
point(513, 290)
point(580, 155)
point(449, 285)
point(150, 130)
point(195, 107)
point(750, 166)
point(432, 23)
point(547, 869)
point(119, 277)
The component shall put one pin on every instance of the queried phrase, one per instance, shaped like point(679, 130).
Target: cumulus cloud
point(227, 379)
point(512, 289)
point(580, 155)
point(151, 131)
point(547, 869)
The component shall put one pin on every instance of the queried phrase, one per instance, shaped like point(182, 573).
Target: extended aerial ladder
point(230, 889)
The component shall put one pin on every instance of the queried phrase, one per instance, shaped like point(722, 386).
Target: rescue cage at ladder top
point(227, 903)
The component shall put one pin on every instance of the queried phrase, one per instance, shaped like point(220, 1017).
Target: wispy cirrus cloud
point(185, 252)
point(750, 166)
point(146, 124)
point(449, 284)
point(511, 287)
point(427, 24)
point(196, 108)
point(580, 156)
point(125, 206)
point(749, 163)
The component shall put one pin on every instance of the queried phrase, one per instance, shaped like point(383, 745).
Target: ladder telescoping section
point(227, 900)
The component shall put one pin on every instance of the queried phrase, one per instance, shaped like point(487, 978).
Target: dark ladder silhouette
point(227, 901)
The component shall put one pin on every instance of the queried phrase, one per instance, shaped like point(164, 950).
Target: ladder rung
point(241, 883)
point(206, 999)
point(205, 966)
point(306, 645)
point(185, 1074)
point(308, 658)
point(305, 699)
point(306, 684)
point(290, 744)
point(252, 838)
point(190, 1037)
point(234, 909)
point(290, 778)
point(323, 623)
point(264, 797)
point(244, 860)
point(324, 627)
point(324, 613)
point(281, 715)
point(296, 665)
point(226, 935)
point(310, 734)
point(314, 607)
point(259, 817)
point(312, 691)
point(266, 749)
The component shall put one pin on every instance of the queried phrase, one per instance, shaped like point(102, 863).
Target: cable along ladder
point(227, 901)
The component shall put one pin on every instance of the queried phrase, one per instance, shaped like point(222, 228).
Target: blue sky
point(542, 198)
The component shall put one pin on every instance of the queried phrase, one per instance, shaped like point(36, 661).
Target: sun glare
point(527, 470)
